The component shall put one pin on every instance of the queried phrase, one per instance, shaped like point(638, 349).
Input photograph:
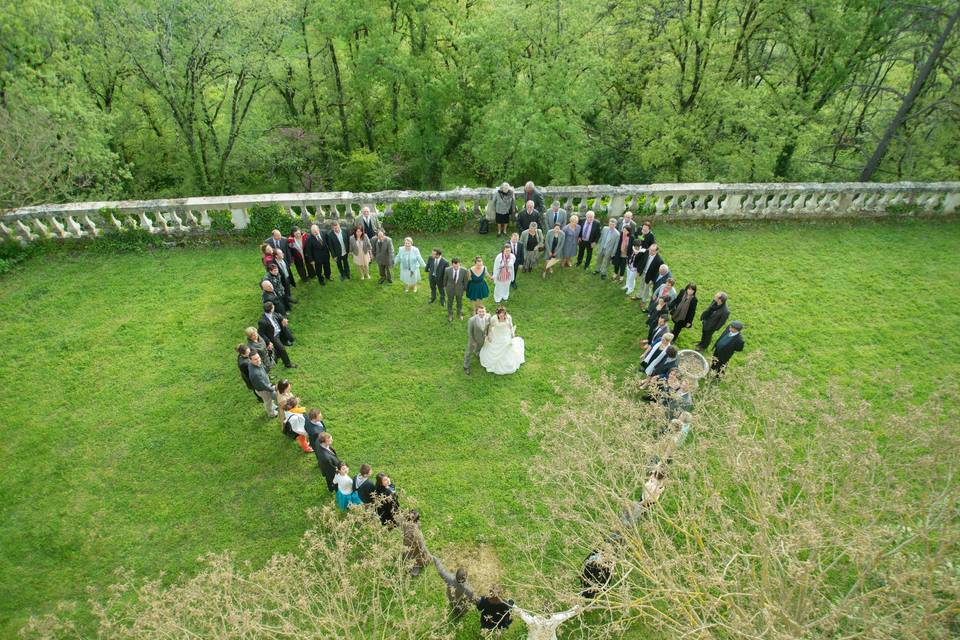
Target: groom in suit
point(476, 335)
point(455, 284)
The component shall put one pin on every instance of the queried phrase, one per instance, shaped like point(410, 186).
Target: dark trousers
point(706, 337)
point(434, 285)
point(450, 300)
point(619, 266)
point(323, 269)
point(301, 267)
point(718, 366)
point(585, 248)
point(343, 266)
point(280, 351)
point(385, 272)
point(677, 328)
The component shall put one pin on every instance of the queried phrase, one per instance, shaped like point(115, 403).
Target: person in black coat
point(363, 485)
point(243, 363)
point(729, 343)
point(595, 574)
point(646, 236)
point(436, 271)
point(589, 236)
point(269, 294)
point(683, 309)
point(339, 242)
point(327, 459)
point(273, 327)
point(314, 426)
point(713, 318)
point(277, 241)
point(280, 286)
point(648, 271)
point(494, 611)
point(516, 248)
point(385, 499)
point(317, 250)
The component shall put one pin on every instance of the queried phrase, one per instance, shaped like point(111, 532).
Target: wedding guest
point(455, 282)
point(532, 242)
point(528, 216)
point(283, 394)
point(285, 273)
point(571, 233)
point(277, 241)
point(607, 246)
point(261, 384)
point(648, 272)
point(683, 309)
point(318, 254)
point(459, 594)
point(276, 281)
point(646, 235)
point(553, 251)
point(298, 254)
point(660, 366)
point(314, 426)
point(362, 251)
point(556, 216)
point(414, 546)
point(636, 255)
point(263, 347)
point(436, 271)
point(504, 207)
point(476, 335)
point(346, 496)
point(589, 235)
point(595, 574)
point(627, 223)
point(363, 485)
point(665, 290)
point(729, 343)
point(269, 294)
point(661, 307)
point(503, 274)
point(477, 289)
point(243, 363)
point(408, 257)
point(532, 194)
point(295, 424)
point(327, 459)
point(274, 328)
point(340, 246)
point(266, 254)
point(516, 250)
point(656, 353)
point(663, 274)
point(713, 318)
point(385, 499)
point(370, 222)
point(656, 329)
point(383, 254)
point(622, 254)
point(494, 611)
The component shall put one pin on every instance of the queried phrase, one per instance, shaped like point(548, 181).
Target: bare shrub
point(348, 580)
point(783, 516)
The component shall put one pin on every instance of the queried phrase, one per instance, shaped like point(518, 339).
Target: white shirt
point(273, 321)
point(344, 483)
point(343, 250)
point(297, 422)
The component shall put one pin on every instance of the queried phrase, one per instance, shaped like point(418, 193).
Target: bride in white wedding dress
point(502, 352)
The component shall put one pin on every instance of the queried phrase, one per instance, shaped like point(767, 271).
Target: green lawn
point(130, 440)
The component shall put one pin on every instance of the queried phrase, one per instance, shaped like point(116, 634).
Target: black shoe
point(431, 300)
point(442, 303)
point(323, 283)
point(292, 365)
point(381, 281)
point(513, 285)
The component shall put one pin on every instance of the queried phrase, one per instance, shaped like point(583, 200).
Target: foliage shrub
point(221, 221)
point(263, 220)
point(432, 217)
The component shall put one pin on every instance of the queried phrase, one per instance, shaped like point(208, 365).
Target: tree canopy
point(149, 98)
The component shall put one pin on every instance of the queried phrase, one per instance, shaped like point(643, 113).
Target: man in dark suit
point(455, 284)
point(275, 276)
point(528, 215)
point(589, 236)
point(648, 272)
point(646, 236)
point(713, 318)
point(318, 253)
point(437, 271)
point(270, 295)
point(729, 343)
point(339, 241)
point(516, 249)
point(314, 426)
point(327, 459)
point(277, 241)
point(273, 327)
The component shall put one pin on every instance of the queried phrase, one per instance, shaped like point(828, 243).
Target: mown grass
point(129, 439)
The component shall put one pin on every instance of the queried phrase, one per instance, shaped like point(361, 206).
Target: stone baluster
point(568, 205)
point(951, 201)
point(176, 222)
point(58, 229)
point(24, 231)
point(161, 220)
point(732, 204)
point(7, 233)
point(192, 221)
point(90, 227)
point(240, 218)
point(42, 230)
point(145, 222)
point(713, 206)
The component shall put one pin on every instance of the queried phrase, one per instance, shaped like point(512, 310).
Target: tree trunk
point(306, 53)
point(874, 162)
point(341, 106)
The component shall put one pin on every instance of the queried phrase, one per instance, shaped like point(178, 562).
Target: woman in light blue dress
point(571, 232)
point(410, 261)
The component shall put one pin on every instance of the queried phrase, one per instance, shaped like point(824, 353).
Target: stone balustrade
point(700, 201)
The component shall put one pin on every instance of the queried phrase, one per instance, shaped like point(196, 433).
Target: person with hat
point(729, 343)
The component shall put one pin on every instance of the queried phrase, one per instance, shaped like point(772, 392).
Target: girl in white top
point(345, 493)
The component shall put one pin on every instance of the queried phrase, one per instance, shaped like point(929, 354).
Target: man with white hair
point(318, 253)
point(527, 216)
point(627, 222)
point(609, 239)
point(589, 235)
point(530, 192)
point(370, 222)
